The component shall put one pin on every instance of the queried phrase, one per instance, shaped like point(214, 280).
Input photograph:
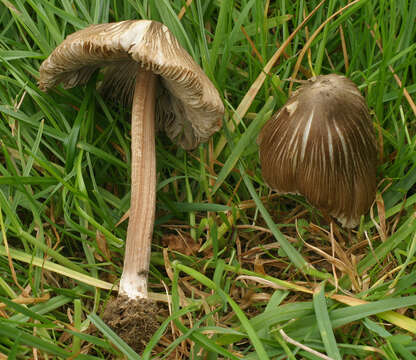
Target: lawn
point(239, 272)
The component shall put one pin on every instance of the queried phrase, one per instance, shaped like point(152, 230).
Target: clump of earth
point(133, 320)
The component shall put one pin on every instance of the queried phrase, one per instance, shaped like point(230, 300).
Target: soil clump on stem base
point(135, 321)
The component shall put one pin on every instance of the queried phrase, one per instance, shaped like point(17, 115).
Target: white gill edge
point(294, 136)
point(292, 148)
point(343, 143)
point(306, 134)
point(330, 146)
point(323, 157)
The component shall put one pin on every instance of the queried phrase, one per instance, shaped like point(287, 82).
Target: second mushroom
point(321, 145)
point(169, 91)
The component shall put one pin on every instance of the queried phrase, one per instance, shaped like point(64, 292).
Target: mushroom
point(321, 145)
point(142, 62)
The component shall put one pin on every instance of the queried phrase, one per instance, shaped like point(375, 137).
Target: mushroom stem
point(133, 281)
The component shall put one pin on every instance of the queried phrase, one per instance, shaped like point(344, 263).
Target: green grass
point(256, 270)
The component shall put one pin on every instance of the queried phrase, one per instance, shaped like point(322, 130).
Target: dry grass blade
point(381, 224)
point(252, 45)
point(59, 269)
point(309, 50)
point(304, 347)
point(344, 48)
point(9, 257)
point(391, 316)
point(184, 8)
point(257, 84)
point(284, 284)
point(396, 77)
point(343, 264)
point(27, 301)
point(338, 263)
point(312, 38)
point(333, 254)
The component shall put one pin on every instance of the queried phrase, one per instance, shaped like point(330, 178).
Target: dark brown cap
point(321, 145)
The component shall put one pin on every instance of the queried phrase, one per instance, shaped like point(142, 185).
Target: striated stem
point(133, 281)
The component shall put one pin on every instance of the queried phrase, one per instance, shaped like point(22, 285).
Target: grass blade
point(249, 136)
point(113, 337)
point(291, 252)
point(324, 324)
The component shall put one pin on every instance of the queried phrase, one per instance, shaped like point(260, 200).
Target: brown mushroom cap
point(321, 145)
point(189, 108)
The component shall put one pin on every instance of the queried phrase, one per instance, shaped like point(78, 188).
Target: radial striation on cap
point(321, 145)
point(189, 107)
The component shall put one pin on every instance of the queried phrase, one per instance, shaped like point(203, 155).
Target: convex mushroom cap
point(188, 107)
point(321, 145)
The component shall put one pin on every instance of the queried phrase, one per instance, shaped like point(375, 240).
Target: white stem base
point(134, 286)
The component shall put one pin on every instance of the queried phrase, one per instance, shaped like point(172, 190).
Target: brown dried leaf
point(102, 245)
point(182, 243)
point(382, 217)
point(258, 265)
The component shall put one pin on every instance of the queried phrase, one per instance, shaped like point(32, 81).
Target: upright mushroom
point(169, 87)
point(321, 145)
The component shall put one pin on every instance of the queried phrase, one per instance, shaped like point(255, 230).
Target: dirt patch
point(133, 320)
